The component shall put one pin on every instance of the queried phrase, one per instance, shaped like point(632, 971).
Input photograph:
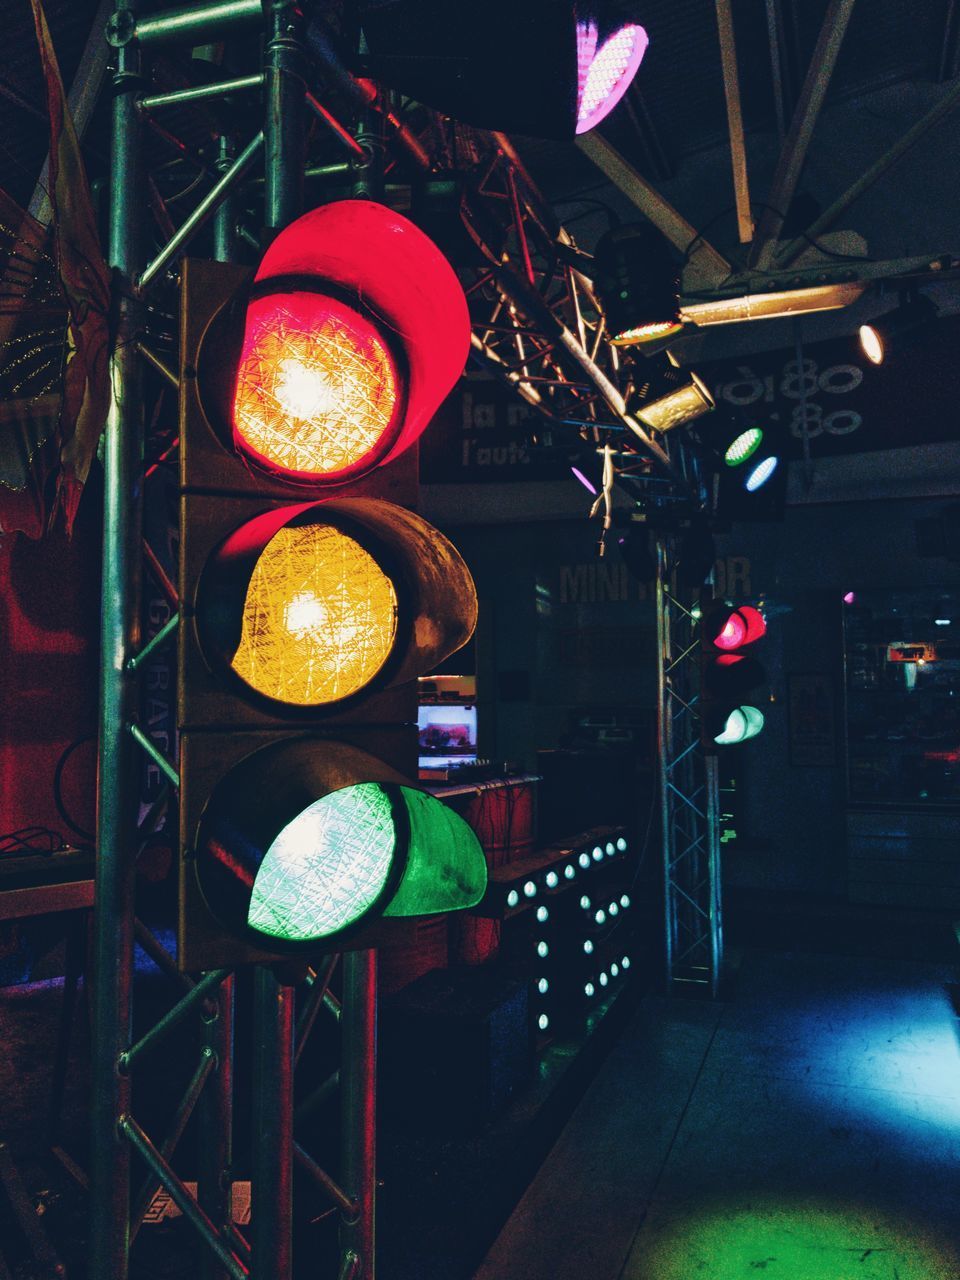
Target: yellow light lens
point(317, 389)
point(319, 618)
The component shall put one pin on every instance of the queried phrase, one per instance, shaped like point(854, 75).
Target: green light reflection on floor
point(770, 1241)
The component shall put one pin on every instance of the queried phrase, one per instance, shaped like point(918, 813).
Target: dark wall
point(564, 634)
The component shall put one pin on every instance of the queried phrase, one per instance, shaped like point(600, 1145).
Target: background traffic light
point(312, 594)
point(730, 673)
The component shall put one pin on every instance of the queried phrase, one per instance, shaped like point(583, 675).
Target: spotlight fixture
point(548, 68)
point(752, 480)
point(638, 278)
point(875, 337)
point(759, 305)
point(678, 407)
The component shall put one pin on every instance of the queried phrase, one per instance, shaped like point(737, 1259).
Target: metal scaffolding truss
point(537, 323)
point(688, 796)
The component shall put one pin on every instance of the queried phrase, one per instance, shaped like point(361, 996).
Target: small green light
point(585, 902)
point(621, 844)
point(552, 879)
point(625, 901)
point(598, 854)
point(588, 947)
point(584, 860)
point(604, 979)
point(513, 898)
point(327, 867)
point(744, 446)
point(611, 848)
point(625, 962)
point(589, 990)
point(543, 986)
point(543, 1022)
point(742, 724)
point(600, 917)
point(542, 949)
point(542, 914)
point(569, 871)
point(529, 889)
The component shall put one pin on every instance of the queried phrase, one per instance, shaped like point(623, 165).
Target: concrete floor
point(806, 1128)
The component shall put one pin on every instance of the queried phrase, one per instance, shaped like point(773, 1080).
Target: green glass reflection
point(446, 869)
point(327, 867)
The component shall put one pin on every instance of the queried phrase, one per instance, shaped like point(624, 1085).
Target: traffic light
point(312, 595)
point(730, 671)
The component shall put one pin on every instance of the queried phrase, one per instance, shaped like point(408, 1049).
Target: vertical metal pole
point(215, 1111)
point(358, 1108)
point(285, 92)
point(117, 773)
point(712, 785)
point(664, 735)
point(272, 1165)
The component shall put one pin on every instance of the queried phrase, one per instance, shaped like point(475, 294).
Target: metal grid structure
point(689, 796)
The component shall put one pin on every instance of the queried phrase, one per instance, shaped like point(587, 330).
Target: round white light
point(543, 986)
point(542, 949)
point(543, 1022)
point(513, 898)
point(542, 914)
point(529, 889)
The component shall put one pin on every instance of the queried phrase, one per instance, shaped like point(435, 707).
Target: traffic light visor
point(741, 724)
point(403, 283)
point(733, 628)
point(305, 840)
point(319, 394)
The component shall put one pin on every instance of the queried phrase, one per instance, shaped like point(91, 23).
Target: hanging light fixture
point(543, 67)
point(638, 278)
point(875, 337)
point(678, 406)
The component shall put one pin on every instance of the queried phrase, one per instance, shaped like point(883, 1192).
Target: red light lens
point(741, 626)
point(318, 393)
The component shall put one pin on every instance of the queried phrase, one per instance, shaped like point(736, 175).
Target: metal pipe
point(204, 210)
point(181, 1119)
point(181, 1197)
point(154, 642)
point(313, 1004)
point(774, 39)
point(177, 97)
point(284, 120)
point(157, 756)
point(215, 1171)
point(889, 158)
point(197, 23)
point(225, 218)
point(160, 956)
point(117, 787)
point(794, 150)
point(342, 134)
point(358, 1101)
point(731, 90)
point(272, 1162)
point(663, 756)
point(172, 1018)
point(712, 806)
point(323, 1179)
point(159, 572)
point(159, 364)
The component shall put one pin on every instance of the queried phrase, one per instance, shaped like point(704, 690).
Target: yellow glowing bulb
point(319, 618)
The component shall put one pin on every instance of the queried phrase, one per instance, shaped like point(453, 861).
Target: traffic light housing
point(730, 672)
point(312, 595)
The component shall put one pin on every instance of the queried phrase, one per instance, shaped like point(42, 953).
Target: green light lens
point(742, 723)
point(743, 447)
point(327, 867)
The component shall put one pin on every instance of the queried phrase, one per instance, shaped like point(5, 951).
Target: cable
point(87, 836)
point(32, 839)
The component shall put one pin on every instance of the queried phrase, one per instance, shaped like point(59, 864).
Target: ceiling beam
point(731, 90)
point(794, 150)
point(880, 166)
point(704, 261)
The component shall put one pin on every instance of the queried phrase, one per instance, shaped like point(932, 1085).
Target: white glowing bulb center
point(303, 392)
